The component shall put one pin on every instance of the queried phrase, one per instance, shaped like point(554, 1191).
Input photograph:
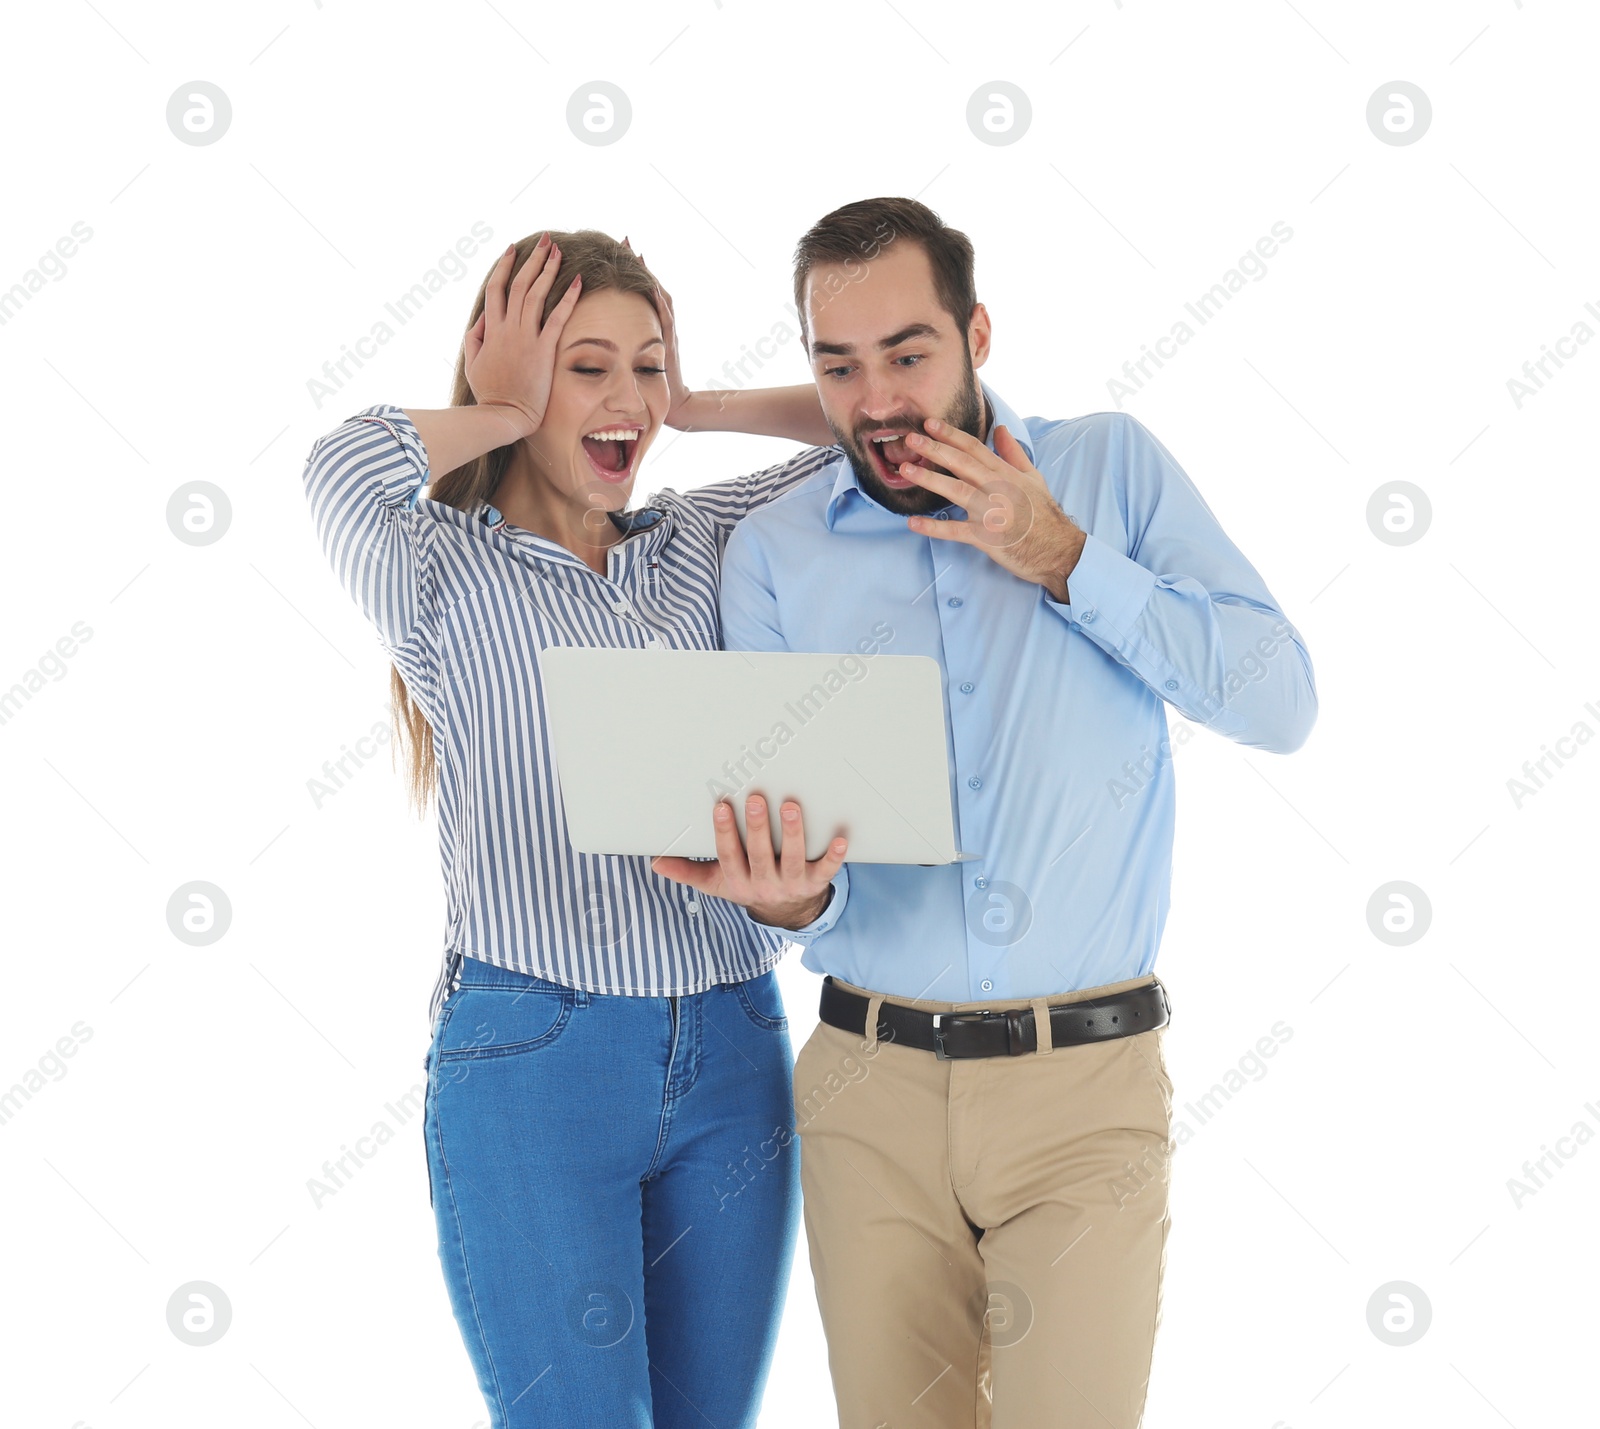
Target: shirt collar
point(845, 482)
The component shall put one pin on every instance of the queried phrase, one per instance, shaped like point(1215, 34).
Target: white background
point(176, 743)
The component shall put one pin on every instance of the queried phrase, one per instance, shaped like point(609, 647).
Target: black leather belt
point(1010, 1032)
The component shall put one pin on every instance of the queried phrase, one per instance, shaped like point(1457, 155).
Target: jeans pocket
point(762, 1001)
point(489, 1022)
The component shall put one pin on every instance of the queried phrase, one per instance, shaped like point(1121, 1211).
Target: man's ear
point(978, 335)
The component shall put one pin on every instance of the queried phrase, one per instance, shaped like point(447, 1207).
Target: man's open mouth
point(888, 450)
point(611, 451)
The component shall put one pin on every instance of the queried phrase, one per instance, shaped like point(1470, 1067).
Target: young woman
point(609, 1117)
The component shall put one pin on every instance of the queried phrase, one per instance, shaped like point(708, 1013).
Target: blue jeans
point(616, 1185)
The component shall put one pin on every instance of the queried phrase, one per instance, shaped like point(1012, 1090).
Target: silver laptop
point(647, 741)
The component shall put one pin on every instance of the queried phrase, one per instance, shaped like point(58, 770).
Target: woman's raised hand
point(510, 353)
point(678, 395)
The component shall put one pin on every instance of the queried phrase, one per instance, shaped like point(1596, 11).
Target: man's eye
point(909, 357)
point(835, 371)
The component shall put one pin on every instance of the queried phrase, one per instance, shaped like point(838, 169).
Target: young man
point(986, 1203)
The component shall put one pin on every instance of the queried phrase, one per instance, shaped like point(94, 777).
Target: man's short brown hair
point(854, 235)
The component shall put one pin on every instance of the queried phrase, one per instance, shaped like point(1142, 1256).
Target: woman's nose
point(626, 398)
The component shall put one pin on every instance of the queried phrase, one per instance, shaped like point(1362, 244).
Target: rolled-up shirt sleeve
point(362, 481)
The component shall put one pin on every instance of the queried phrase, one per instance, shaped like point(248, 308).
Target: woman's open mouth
point(612, 451)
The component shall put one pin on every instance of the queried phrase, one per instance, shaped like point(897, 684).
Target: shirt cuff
point(1109, 592)
point(824, 920)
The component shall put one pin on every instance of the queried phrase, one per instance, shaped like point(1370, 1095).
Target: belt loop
point(871, 1026)
point(1041, 1026)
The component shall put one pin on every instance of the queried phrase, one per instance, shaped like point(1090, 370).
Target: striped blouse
point(463, 602)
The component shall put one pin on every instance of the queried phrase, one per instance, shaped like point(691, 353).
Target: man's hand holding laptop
point(782, 890)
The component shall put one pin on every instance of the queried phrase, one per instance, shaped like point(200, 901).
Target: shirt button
point(966, 687)
point(954, 601)
point(652, 643)
point(691, 907)
point(980, 882)
point(1087, 616)
point(974, 782)
point(620, 606)
point(986, 985)
point(1172, 684)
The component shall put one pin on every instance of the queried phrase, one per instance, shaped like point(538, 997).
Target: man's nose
point(880, 401)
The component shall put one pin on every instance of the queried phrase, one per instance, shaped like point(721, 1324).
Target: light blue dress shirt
point(1061, 772)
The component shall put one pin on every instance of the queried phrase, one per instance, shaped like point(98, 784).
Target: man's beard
point(965, 414)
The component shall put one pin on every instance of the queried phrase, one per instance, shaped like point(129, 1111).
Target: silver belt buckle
point(938, 1032)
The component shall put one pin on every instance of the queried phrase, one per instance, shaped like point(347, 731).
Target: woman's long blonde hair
point(603, 263)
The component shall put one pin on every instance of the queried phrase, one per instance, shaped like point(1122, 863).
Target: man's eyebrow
point(611, 346)
point(906, 334)
point(845, 349)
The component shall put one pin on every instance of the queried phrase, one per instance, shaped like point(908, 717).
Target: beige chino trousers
point(987, 1235)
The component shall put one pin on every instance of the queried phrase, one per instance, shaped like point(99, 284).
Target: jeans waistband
point(475, 972)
